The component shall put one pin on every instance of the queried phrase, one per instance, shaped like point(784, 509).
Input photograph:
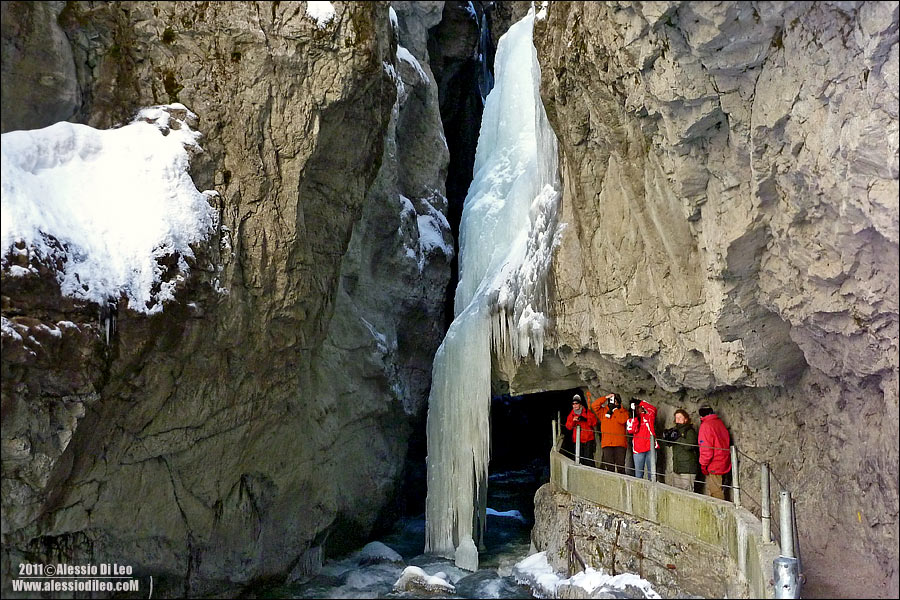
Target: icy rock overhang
point(105, 206)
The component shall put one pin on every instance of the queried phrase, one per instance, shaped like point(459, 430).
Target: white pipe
point(766, 508)
point(787, 526)
point(735, 483)
point(578, 445)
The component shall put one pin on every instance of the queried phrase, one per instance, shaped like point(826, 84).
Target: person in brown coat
point(612, 418)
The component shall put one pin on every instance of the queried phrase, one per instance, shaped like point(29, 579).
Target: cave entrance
point(520, 464)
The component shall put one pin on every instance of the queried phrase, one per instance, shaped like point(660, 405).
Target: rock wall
point(677, 564)
point(731, 192)
point(262, 420)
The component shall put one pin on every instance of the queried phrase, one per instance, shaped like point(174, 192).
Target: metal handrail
point(788, 568)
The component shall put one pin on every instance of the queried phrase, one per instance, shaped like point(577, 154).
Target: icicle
point(507, 233)
point(108, 313)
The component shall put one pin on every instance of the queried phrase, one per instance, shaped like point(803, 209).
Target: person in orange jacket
point(582, 417)
point(612, 419)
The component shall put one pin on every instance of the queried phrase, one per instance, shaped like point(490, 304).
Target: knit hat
point(705, 410)
point(576, 398)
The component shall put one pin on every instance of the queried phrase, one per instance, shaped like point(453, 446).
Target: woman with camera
point(612, 432)
point(643, 427)
point(685, 454)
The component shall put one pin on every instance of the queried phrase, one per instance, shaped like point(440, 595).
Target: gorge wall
point(730, 192)
point(731, 195)
point(261, 421)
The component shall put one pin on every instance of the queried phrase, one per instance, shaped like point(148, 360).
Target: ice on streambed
point(545, 582)
point(511, 514)
point(415, 579)
point(379, 571)
point(376, 551)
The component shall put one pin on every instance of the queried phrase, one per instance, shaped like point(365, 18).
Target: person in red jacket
point(715, 451)
point(582, 417)
point(641, 426)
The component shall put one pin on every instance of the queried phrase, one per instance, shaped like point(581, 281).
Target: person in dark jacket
point(582, 417)
point(715, 451)
point(685, 455)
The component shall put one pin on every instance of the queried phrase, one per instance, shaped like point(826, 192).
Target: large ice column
point(508, 230)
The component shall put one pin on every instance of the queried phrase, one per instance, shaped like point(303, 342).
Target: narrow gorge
point(255, 401)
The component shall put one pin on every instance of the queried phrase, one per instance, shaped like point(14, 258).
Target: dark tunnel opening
point(520, 461)
point(520, 427)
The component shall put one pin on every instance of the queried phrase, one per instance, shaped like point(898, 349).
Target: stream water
point(506, 541)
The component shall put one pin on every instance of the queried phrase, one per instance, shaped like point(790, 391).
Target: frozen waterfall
point(508, 231)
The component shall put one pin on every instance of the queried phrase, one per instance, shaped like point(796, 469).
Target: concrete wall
point(682, 541)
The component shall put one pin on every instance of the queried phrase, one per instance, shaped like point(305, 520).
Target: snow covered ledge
point(105, 206)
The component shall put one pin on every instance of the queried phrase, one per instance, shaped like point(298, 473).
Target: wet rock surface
point(730, 187)
point(261, 421)
point(731, 184)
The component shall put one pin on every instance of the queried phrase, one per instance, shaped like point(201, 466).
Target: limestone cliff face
point(263, 418)
point(731, 194)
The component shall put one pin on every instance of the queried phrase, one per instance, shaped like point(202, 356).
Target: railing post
point(559, 429)
point(786, 566)
point(766, 508)
point(652, 458)
point(787, 527)
point(578, 445)
point(735, 480)
point(552, 435)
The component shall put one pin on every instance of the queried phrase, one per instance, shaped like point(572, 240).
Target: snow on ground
point(536, 572)
point(108, 202)
point(432, 229)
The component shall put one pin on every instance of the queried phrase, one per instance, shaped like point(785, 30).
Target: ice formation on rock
point(508, 231)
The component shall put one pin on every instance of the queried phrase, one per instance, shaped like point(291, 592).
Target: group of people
point(707, 451)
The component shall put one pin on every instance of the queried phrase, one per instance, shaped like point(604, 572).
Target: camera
point(671, 434)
